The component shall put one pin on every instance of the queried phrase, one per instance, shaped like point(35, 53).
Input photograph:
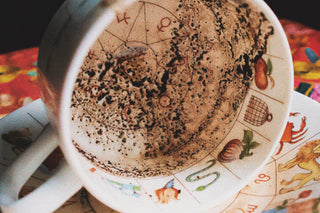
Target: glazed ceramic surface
point(231, 162)
point(234, 160)
point(266, 192)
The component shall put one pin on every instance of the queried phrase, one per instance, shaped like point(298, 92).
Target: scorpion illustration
point(293, 136)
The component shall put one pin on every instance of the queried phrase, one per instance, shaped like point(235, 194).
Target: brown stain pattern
point(163, 109)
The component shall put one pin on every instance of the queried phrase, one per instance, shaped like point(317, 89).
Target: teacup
point(165, 106)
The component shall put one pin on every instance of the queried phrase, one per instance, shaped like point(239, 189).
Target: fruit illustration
point(231, 151)
point(263, 74)
point(236, 149)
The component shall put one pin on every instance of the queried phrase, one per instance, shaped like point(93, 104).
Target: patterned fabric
point(305, 48)
point(18, 74)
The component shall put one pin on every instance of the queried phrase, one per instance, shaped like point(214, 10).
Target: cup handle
point(51, 194)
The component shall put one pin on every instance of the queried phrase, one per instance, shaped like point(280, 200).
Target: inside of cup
point(163, 86)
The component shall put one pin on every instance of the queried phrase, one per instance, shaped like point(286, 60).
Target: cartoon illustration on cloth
point(257, 112)
point(20, 139)
point(127, 189)
point(167, 193)
point(306, 159)
point(297, 41)
point(263, 71)
point(292, 136)
point(18, 88)
point(191, 177)
point(309, 69)
point(236, 149)
point(9, 73)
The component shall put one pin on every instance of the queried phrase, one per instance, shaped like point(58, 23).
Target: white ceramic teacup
point(177, 105)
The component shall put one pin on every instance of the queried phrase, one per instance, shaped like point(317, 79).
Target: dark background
point(22, 22)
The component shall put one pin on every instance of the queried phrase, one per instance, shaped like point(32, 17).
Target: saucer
point(264, 193)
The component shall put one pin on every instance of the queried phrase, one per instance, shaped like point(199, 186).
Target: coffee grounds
point(142, 110)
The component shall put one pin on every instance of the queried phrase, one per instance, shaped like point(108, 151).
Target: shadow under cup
point(163, 86)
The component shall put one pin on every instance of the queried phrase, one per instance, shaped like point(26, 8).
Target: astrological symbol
point(250, 208)
point(195, 176)
point(177, 61)
point(125, 17)
point(164, 23)
point(124, 113)
point(181, 61)
point(241, 210)
point(262, 178)
point(91, 54)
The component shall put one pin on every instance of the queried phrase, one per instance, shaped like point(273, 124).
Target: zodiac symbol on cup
point(164, 23)
point(293, 136)
point(197, 178)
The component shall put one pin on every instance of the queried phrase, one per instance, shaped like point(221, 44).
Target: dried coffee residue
point(147, 111)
